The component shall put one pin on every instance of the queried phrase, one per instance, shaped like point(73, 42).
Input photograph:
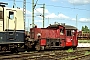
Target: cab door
point(62, 36)
point(11, 24)
point(69, 40)
point(11, 19)
point(75, 41)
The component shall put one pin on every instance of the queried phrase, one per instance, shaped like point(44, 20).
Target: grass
point(87, 52)
point(69, 58)
point(69, 50)
point(84, 41)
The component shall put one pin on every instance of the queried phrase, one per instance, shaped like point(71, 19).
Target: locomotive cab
point(11, 28)
point(71, 36)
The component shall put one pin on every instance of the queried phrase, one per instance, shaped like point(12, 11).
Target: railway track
point(81, 57)
point(47, 55)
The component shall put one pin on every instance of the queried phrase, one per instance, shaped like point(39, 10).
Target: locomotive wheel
point(14, 50)
point(42, 47)
point(4, 48)
point(75, 48)
point(38, 47)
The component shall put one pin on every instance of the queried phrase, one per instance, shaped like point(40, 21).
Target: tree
point(85, 28)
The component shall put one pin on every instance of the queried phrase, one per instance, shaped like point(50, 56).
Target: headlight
point(38, 34)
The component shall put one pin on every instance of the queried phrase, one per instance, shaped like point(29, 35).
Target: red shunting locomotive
point(54, 36)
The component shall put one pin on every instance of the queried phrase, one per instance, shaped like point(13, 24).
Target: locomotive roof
point(54, 26)
point(2, 4)
point(66, 26)
point(70, 27)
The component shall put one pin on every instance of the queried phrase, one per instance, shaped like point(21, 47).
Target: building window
point(1, 15)
point(11, 15)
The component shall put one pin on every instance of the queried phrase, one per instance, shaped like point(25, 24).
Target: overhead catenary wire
point(68, 7)
point(35, 4)
point(58, 18)
point(62, 18)
point(39, 13)
point(57, 6)
point(20, 1)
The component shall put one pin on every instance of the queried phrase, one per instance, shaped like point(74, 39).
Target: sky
point(61, 11)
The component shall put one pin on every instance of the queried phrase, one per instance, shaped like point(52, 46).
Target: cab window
point(68, 32)
point(61, 31)
point(11, 15)
point(73, 32)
